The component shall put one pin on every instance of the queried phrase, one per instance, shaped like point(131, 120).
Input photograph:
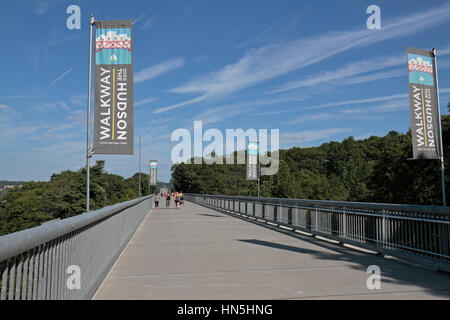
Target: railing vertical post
point(25, 276)
point(19, 278)
point(12, 277)
point(344, 224)
point(4, 281)
point(31, 273)
point(316, 219)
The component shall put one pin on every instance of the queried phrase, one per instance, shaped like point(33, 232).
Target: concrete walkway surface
point(199, 253)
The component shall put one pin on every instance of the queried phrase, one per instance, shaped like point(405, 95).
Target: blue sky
point(309, 68)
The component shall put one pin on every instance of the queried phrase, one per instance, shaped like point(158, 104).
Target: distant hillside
point(4, 183)
point(166, 185)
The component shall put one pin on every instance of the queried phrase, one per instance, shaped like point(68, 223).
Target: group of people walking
point(176, 196)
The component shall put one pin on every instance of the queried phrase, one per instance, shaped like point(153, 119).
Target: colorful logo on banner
point(420, 69)
point(252, 161)
point(253, 148)
point(153, 165)
point(113, 46)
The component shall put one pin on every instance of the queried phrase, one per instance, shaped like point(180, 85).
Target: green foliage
point(64, 195)
point(375, 169)
point(24, 208)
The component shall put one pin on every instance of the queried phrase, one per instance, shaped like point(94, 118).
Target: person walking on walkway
point(177, 201)
point(156, 201)
point(181, 198)
point(168, 201)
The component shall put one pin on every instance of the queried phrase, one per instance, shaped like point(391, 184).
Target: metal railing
point(420, 234)
point(34, 262)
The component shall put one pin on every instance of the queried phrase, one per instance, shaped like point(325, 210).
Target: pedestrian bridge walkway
point(200, 253)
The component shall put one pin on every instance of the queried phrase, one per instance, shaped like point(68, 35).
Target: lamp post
point(139, 166)
point(88, 133)
point(326, 166)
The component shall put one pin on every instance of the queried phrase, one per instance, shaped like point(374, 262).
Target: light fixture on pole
point(139, 166)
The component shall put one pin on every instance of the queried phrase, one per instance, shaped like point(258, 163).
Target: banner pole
point(444, 198)
point(259, 172)
point(149, 177)
point(139, 166)
point(88, 147)
point(258, 187)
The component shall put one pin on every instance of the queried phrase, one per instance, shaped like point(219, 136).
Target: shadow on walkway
point(392, 271)
point(210, 215)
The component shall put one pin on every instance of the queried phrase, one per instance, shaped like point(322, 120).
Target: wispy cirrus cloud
point(263, 36)
point(312, 117)
point(62, 75)
point(386, 107)
point(311, 135)
point(42, 6)
point(398, 72)
point(268, 62)
point(4, 106)
point(390, 103)
point(148, 22)
point(444, 90)
point(276, 112)
point(366, 100)
point(159, 69)
point(145, 101)
point(273, 31)
point(391, 106)
point(52, 105)
point(343, 73)
point(223, 112)
point(230, 110)
point(358, 101)
point(77, 116)
point(139, 18)
point(351, 73)
point(13, 131)
point(26, 96)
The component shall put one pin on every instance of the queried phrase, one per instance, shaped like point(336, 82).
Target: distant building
point(9, 187)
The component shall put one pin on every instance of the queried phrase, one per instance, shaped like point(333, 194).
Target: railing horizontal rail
point(359, 205)
point(416, 233)
point(37, 263)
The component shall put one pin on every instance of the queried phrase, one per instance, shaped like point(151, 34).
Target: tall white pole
point(88, 135)
point(444, 198)
point(139, 166)
point(259, 171)
point(149, 175)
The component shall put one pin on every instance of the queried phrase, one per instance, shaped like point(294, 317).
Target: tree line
point(376, 169)
point(64, 195)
